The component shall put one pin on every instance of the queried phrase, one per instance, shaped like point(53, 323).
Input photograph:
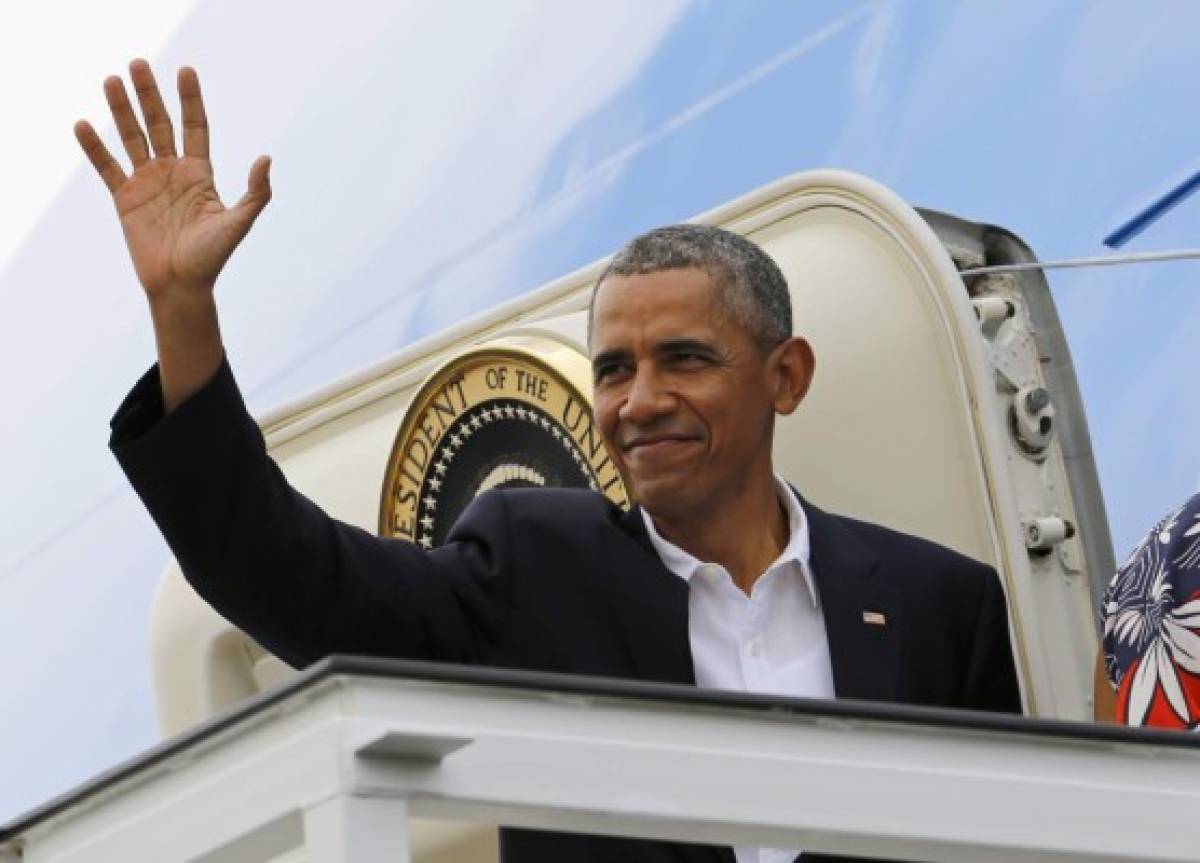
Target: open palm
point(179, 233)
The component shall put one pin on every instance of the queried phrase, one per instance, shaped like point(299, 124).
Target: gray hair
point(753, 290)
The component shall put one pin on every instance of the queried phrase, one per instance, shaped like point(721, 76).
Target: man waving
point(721, 576)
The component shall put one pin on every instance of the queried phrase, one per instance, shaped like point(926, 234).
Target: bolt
point(1037, 399)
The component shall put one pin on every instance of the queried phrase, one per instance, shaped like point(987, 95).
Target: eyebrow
point(695, 345)
point(610, 356)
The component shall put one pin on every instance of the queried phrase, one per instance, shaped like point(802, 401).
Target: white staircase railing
point(334, 762)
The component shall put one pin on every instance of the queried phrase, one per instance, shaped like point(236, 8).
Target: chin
point(666, 497)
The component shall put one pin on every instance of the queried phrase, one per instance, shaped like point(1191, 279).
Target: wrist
point(182, 307)
point(188, 339)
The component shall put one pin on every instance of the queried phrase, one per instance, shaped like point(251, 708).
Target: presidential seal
point(511, 415)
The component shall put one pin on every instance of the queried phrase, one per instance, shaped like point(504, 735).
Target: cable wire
point(1072, 263)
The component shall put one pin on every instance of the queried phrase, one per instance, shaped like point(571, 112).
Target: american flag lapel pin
point(874, 618)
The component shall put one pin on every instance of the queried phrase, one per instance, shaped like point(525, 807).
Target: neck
point(745, 534)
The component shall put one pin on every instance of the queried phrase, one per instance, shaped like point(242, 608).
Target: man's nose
point(646, 399)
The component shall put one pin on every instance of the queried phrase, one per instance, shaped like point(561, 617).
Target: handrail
point(334, 759)
point(1079, 263)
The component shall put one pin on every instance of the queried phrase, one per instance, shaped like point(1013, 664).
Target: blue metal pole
point(1152, 213)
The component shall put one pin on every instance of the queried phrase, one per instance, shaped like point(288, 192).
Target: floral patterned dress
point(1150, 619)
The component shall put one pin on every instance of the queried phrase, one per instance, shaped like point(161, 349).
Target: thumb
point(258, 189)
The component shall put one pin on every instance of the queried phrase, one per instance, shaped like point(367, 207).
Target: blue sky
point(432, 157)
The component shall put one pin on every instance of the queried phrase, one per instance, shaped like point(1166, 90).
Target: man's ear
point(790, 367)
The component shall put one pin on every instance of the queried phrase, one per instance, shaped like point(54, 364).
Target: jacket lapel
point(861, 607)
point(652, 604)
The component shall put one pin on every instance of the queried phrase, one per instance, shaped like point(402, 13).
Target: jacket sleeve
point(991, 674)
point(273, 563)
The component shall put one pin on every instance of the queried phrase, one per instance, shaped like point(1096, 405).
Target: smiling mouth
point(657, 442)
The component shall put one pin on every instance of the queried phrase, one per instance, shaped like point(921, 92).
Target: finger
point(158, 122)
point(258, 191)
point(195, 121)
point(128, 126)
point(106, 166)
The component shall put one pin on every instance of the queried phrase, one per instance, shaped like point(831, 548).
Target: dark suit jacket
point(554, 580)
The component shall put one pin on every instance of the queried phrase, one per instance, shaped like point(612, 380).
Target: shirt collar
point(684, 564)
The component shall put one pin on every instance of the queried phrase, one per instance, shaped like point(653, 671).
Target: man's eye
point(688, 358)
point(606, 372)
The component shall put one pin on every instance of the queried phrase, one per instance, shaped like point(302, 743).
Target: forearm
point(188, 339)
point(272, 562)
point(262, 554)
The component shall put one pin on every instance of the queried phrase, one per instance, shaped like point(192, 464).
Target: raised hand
point(178, 232)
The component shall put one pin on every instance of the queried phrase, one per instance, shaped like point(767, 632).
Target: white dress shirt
point(771, 641)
